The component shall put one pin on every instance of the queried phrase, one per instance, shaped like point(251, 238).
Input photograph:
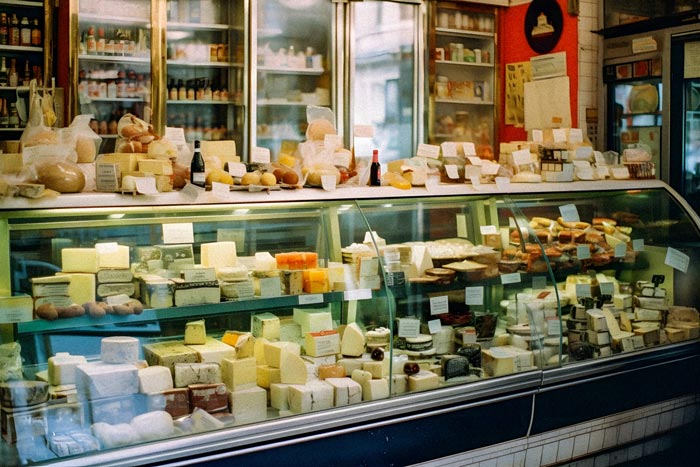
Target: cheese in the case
point(98, 380)
point(50, 285)
point(243, 342)
point(375, 389)
point(313, 319)
point(264, 261)
point(177, 401)
point(499, 361)
point(195, 332)
point(79, 260)
point(195, 293)
point(289, 330)
point(219, 255)
point(237, 372)
point(345, 391)
point(399, 384)
point(331, 371)
point(267, 376)
point(423, 380)
point(316, 280)
point(211, 397)
point(279, 396)
point(213, 351)
point(273, 352)
point(120, 349)
point(156, 166)
point(168, 354)
point(156, 292)
point(454, 366)
point(248, 405)
point(153, 379)
point(62, 368)
point(186, 374)
point(112, 256)
point(116, 288)
point(322, 343)
point(153, 425)
point(378, 369)
point(23, 394)
point(292, 282)
point(292, 369)
point(353, 342)
point(266, 325)
point(317, 395)
point(361, 376)
point(81, 288)
point(259, 350)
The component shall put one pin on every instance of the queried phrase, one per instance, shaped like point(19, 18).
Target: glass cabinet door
point(113, 62)
point(293, 70)
point(205, 69)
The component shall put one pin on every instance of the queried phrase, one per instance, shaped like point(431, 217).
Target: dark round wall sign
point(543, 25)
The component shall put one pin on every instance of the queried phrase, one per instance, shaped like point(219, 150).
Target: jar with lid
point(442, 87)
point(25, 32)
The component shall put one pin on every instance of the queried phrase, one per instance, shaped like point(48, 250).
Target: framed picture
point(544, 22)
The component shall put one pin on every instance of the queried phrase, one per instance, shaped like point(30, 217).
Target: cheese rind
point(99, 380)
point(168, 354)
point(292, 369)
point(79, 260)
point(310, 397)
point(120, 349)
point(345, 391)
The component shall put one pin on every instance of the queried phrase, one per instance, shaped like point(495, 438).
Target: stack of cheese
point(117, 171)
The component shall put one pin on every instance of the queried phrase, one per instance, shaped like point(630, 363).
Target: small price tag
point(502, 183)
point(488, 230)
point(438, 305)
point(260, 155)
point(449, 149)
point(409, 327)
point(677, 259)
point(473, 295)
point(434, 325)
point(309, 299)
point(469, 149)
point(512, 278)
point(328, 182)
point(583, 290)
point(620, 250)
point(607, 288)
point(569, 213)
point(475, 160)
point(537, 136)
point(191, 192)
point(451, 171)
point(583, 251)
point(220, 190)
point(476, 181)
point(638, 244)
point(178, 233)
point(559, 135)
point(553, 327)
point(490, 168)
point(575, 135)
point(236, 169)
point(357, 294)
point(146, 185)
point(428, 150)
point(522, 157)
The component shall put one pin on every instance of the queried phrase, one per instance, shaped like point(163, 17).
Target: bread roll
point(86, 149)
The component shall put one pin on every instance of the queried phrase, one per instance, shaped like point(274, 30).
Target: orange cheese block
point(316, 280)
point(331, 371)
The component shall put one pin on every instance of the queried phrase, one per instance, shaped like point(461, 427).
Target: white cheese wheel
point(120, 349)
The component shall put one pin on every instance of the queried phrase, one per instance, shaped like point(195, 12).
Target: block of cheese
point(154, 379)
point(112, 276)
point(128, 162)
point(292, 282)
point(116, 288)
point(168, 354)
point(23, 393)
point(243, 342)
point(316, 395)
point(175, 257)
point(353, 342)
point(279, 396)
point(399, 384)
point(292, 369)
point(213, 351)
point(153, 425)
point(346, 391)
point(186, 374)
point(265, 325)
point(195, 293)
point(50, 285)
point(97, 380)
point(237, 372)
point(259, 350)
point(265, 376)
point(378, 369)
point(62, 368)
point(195, 332)
point(112, 256)
point(156, 166)
point(82, 287)
point(674, 334)
point(322, 343)
point(598, 338)
point(375, 389)
point(499, 361)
point(79, 260)
point(177, 401)
point(289, 330)
point(273, 351)
point(361, 376)
point(596, 320)
point(218, 255)
point(156, 292)
point(313, 319)
point(120, 349)
point(212, 397)
point(248, 405)
point(454, 366)
point(648, 314)
point(316, 280)
point(422, 381)
point(350, 364)
point(331, 371)
point(622, 301)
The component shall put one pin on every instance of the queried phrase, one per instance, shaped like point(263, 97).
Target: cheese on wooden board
point(120, 349)
point(79, 260)
point(218, 255)
point(154, 379)
point(292, 369)
point(267, 376)
point(213, 351)
point(62, 368)
point(422, 381)
point(317, 395)
point(322, 343)
point(168, 354)
point(97, 380)
point(375, 389)
point(265, 325)
point(248, 405)
point(186, 374)
point(353, 341)
point(112, 256)
point(195, 332)
point(313, 319)
point(346, 391)
point(237, 372)
point(273, 351)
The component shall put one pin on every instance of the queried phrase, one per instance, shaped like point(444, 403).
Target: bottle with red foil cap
point(375, 171)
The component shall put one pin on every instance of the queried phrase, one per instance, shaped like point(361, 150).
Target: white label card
point(583, 251)
point(490, 168)
point(539, 282)
point(488, 230)
point(475, 160)
point(576, 135)
point(473, 295)
point(452, 172)
point(522, 157)
point(469, 149)
point(409, 327)
point(260, 155)
point(236, 169)
point(620, 250)
point(638, 244)
point(146, 185)
point(438, 305)
point(175, 135)
point(328, 182)
point(191, 192)
point(553, 327)
point(308, 299)
point(583, 290)
point(537, 136)
point(569, 213)
point(677, 260)
point(434, 325)
point(178, 233)
point(559, 135)
point(476, 181)
point(512, 278)
point(357, 294)
point(220, 190)
point(502, 183)
point(428, 150)
point(449, 149)
point(106, 177)
point(607, 288)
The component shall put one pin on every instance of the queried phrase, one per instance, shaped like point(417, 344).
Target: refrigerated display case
point(462, 75)
point(293, 69)
point(493, 310)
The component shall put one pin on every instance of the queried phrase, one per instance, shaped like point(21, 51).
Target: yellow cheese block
point(238, 372)
point(243, 342)
point(81, 288)
point(292, 369)
point(273, 352)
point(195, 332)
point(127, 162)
point(266, 375)
point(155, 166)
point(112, 256)
point(79, 260)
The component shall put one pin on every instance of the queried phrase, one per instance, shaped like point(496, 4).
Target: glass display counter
point(163, 331)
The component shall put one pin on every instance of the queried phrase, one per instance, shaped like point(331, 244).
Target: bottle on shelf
point(14, 116)
point(375, 170)
point(207, 95)
point(100, 43)
point(4, 115)
point(199, 90)
point(27, 77)
point(3, 72)
point(12, 78)
point(181, 91)
point(14, 30)
point(4, 29)
point(25, 32)
point(197, 175)
point(90, 42)
point(36, 33)
point(190, 90)
point(172, 90)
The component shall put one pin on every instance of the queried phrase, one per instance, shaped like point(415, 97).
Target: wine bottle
point(197, 176)
point(375, 171)
point(3, 72)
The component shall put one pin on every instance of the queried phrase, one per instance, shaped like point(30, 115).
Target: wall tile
point(581, 445)
point(596, 442)
point(533, 458)
point(565, 449)
point(549, 453)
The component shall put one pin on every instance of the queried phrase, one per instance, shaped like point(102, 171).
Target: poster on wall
point(544, 23)
point(517, 74)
